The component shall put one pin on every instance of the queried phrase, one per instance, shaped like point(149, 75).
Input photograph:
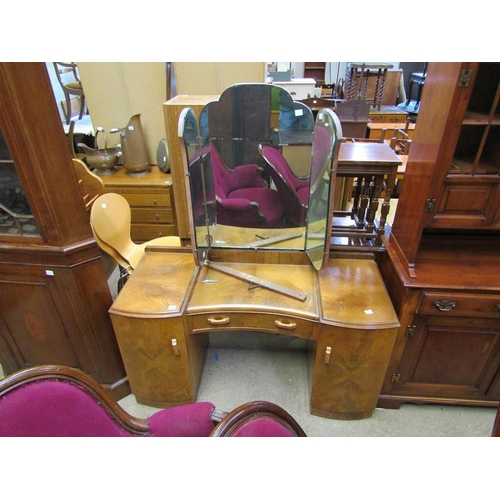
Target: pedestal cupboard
point(54, 295)
point(442, 262)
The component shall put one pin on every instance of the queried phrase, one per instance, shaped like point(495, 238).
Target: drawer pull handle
point(175, 347)
point(445, 305)
point(157, 217)
point(287, 326)
point(328, 353)
point(497, 308)
point(221, 321)
point(155, 202)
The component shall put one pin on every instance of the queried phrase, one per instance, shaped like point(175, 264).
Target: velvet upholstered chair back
point(59, 401)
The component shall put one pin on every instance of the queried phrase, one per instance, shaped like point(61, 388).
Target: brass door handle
point(221, 321)
point(175, 347)
point(287, 326)
point(444, 305)
point(328, 353)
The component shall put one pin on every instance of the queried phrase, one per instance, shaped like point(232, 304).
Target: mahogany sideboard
point(163, 315)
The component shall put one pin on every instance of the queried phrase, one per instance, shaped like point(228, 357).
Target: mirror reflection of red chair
point(293, 190)
point(60, 401)
point(242, 195)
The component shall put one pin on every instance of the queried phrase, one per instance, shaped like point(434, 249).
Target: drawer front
point(460, 304)
point(146, 232)
point(152, 216)
point(272, 323)
point(148, 199)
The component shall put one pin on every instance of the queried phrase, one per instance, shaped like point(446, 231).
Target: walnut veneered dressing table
point(237, 279)
point(164, 314)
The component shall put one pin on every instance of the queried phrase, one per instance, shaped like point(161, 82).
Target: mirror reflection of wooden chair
point(242, 196)
point(110, 219)
point(70, 88)
point(293, 190)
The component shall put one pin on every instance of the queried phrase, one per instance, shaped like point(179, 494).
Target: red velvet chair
point(59, 401)
point(243, 197)
point(293, 190)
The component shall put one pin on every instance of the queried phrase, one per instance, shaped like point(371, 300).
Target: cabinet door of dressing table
point(164, 314)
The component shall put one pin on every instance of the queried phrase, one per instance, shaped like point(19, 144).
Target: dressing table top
point(347, 292)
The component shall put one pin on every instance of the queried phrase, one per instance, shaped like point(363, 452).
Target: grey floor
point(244, 367)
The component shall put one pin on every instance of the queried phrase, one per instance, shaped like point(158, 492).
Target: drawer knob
point(220, 321)
point(328, 353)
point(155, 202)
point(287, 326)
point(497, 308)
point(157, 217)
point(445, 305)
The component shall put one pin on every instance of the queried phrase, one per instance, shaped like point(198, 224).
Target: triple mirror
point(245, 191)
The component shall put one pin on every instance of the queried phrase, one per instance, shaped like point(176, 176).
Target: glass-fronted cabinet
point(466, 195)
point(54, 295)
point(16, 217)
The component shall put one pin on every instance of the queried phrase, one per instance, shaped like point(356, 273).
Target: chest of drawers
point(150, 197)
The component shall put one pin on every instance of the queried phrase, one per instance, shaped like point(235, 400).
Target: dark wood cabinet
point(315, 70)
point(448, 346)
point(442, 261)
point(54, 296)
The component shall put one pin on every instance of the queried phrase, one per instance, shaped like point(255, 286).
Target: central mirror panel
point(244, 193)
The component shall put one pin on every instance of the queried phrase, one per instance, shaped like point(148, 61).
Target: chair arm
point(237, 204)
point(246, 176)
point(191, 420)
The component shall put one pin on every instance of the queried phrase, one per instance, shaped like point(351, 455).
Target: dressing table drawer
point(272, 323)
